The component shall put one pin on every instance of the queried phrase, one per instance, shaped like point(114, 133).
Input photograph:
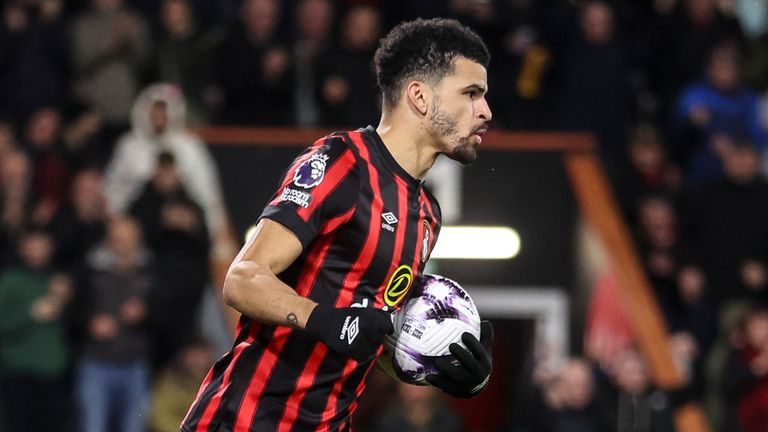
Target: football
point(435, 314)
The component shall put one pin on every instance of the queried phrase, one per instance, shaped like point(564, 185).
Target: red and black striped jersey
point(367, 228)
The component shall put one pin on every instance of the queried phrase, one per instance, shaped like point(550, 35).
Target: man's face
point(123, 236)
point(724, 72)
point(176, 16)
point(361, 28)
point(459, 111)
point(742, 164)
point(260, 17)
point(314, 18)
point(757, 329)
point(158, 117)
point(87, 187)
point(36, 250)
point(597, 23)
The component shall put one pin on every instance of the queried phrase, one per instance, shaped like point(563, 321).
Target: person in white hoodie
point(159, 126)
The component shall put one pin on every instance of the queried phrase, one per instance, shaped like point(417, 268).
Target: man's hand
point(133, 311)
point(103, 327)
point(354, 331)
point(471, 375)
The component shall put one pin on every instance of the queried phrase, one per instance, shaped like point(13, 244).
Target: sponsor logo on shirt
point(296, 196)
point(398, 285)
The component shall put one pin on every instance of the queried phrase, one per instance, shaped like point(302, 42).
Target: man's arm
point(252, 287)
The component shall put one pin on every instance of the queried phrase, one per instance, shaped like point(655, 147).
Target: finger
point(475, 347)
point(450, 371)
point(468, 361)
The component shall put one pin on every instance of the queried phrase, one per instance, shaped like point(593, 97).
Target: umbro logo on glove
point(350, 329)
point(357, 332)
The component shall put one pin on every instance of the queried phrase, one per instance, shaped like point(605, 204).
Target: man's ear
point(419, 96)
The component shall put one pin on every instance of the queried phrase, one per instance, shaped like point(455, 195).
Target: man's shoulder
point(352, 137)
point(358, 141)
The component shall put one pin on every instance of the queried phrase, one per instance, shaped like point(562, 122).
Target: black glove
point(471, 375)
point(354, 331)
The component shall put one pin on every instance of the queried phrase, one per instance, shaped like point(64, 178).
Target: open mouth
point(479, 134)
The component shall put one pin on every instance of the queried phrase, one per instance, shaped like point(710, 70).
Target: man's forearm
point(254, 291)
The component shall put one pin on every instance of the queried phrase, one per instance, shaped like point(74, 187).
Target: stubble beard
point(462, 150)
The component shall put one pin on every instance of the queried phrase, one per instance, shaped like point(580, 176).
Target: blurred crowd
point(110, 206)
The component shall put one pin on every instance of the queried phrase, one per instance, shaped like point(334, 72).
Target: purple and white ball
point(435, 315)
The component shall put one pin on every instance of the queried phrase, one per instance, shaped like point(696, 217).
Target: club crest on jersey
point(311, 172)
point(425, 241)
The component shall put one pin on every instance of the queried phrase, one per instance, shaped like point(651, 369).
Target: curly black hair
point(424, 50)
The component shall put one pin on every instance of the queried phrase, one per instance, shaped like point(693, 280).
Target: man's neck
point(408, 142)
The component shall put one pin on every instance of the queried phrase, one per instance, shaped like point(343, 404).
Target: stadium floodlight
point(477, 242)
point(468, 242)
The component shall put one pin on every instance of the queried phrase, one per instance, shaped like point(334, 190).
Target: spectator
point(50, 165)
point(183, 56)
point(348, 91)
point(418, 409)
point(18, 203)
point(592, 87)
point(314, 22)
point(176, 233)
point(712, 111)
point(630, 399)
point(725, 234)
point(158, 126)
point(177, 385)
point(686, 309)
point(679, 45)
point(649, 170)
point(35, 354)
point(657, 241)
point(486, 18)
point(521, 72)
point(87, 141)
point(110, 49)
point(206, 13)
point(253, 69)
point(567, 400)
point(34, 63)
point(746, 376)
point(80, 224)
point(113, 373)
